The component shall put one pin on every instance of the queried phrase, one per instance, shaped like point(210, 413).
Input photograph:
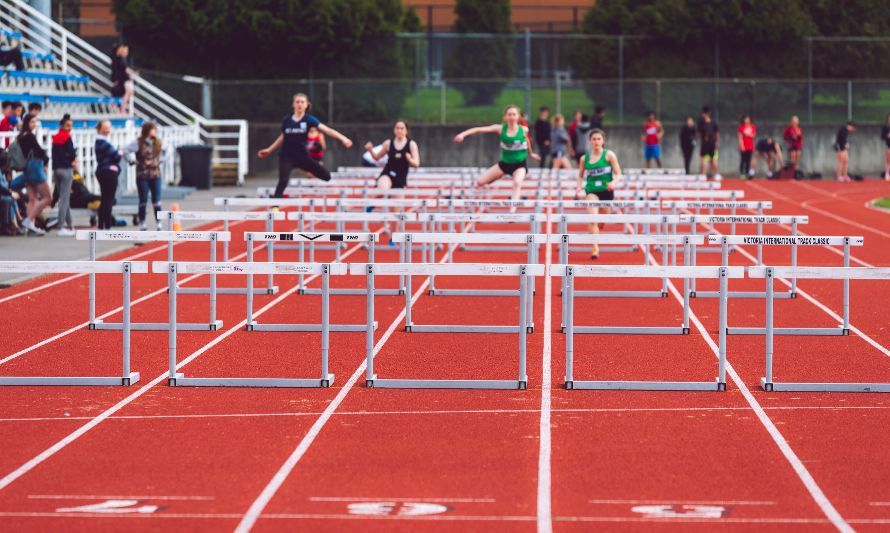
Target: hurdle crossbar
point(325, 270)
point(628, 271)
point(169, 237)
point(125, 269)
point(770, 273)
point(455, 269)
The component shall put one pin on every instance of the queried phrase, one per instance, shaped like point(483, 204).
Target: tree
point(489, 61)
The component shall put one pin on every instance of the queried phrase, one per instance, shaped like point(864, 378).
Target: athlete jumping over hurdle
point(292, 141)
point(403, 154)
point(602, 172)
point(515, 150)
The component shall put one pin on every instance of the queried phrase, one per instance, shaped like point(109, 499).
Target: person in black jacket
point(39, 195)
point(108, 168)
point(122, 76)
point(542, 134)
point(64, 163)
point(688, 134)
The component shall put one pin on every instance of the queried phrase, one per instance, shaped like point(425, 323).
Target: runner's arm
point(344, 140)
point(494, 128)
point(266, 152)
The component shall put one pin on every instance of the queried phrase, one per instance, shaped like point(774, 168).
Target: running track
point(350, 458)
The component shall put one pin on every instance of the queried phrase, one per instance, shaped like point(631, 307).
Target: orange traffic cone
point(177, 225)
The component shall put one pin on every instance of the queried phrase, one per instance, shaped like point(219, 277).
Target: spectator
point(599, 113)
point(316, 145)
point(108, 160)
point(149, 157)
point(559, 144)
point(122, 76)
point(687, 142)
point(34, 109)
point(709, 133)
point(771, 152)
point(5, 125)
point(652, 134)
point(542, 133)
point(8, 214)
point(576, 119)
point(794, 143)
point(582, 138)
point(885, 135)
point(39, 195)
point(64, 163)
point(13, 56)
point(747, 133)
point(842, 147)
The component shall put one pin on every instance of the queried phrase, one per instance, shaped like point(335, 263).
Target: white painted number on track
point(112, 507)
point(396, 508)
point(680, 511)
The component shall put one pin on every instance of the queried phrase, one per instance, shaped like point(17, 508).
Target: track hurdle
point(846, 242)
point(125, 269)
point(325, 270)
point(225, 216)
point(155, 236)
point(457, 269)
point(570, 272)
point(631, 222)
point(533, 220)
point(769, 274)
point(367, 239)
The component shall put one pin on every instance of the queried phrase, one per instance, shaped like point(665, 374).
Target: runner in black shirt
point(842, 147)
point(709, 133)
point(687, 141)
point(542, 134)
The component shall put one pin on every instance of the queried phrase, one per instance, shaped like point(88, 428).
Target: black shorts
point(509, 168)
point(398, 179)
point(605, 196)
point(708, 149)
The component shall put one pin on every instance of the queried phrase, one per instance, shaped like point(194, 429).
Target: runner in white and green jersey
point(598, 173)
point(515, 150)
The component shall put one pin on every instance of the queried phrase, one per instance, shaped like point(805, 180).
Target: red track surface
point(198, 458)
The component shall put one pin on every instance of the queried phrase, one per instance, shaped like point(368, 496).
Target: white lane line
point(797, 465)
point(128, 258)
point(395, 499)
point(544, 505)
point(455, 412)
point(60, 445)
point(91, 497)
point(682, 502)
point(259, 504)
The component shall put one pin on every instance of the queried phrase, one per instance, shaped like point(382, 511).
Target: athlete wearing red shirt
point(652, 134)
point(794, 141)
point(747, 133)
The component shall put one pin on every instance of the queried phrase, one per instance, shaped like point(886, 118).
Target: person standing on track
point(842, 147)
point(402, 155)
point(794, 143)
point(652, 134)
point(687, 142)
point(885, 135)
point(515, 150)
point(598, 173)
point(709, 133)
point(292, 142)
point(108, 168)
point(542, 133)
point(559, 144)
point(747, 133)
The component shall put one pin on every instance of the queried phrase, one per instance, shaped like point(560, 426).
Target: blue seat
point(57, 76)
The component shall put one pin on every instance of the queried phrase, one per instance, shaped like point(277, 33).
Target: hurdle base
point(743, 294)
point(181, 381)
point(838, 331)
point(348, 328)
point(82, 381)
point(629, 330)
point(620, 294)
point(456, 328)
point(447, 384)
point(227, 290)
point(823, 387)
point(156, 326)
point(470, 292)
point(647, 385)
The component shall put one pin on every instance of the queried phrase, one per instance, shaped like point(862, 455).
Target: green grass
point(883, 202)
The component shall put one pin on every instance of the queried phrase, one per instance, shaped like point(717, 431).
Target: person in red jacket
point(794, 142)
point(747, 133)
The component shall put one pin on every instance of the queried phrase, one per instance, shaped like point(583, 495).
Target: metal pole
point(369, 332)
point(558, 95)
point(846, 286)
point(325, 314)
point(768, 380)
point(810, 79)
point(794, 256)
point(408, 289)
point(849, 99)
point(92, 279)
point(621, 79)
point(126, 320)
point(569, 319)
point(249, 283)
point(213, 282)
point(523, 321)
point(528, 72)
point(270, 227)
point(686, 286)
point(171, 347)
point(724, 296)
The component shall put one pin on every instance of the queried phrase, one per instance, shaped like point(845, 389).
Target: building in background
point(546, 16)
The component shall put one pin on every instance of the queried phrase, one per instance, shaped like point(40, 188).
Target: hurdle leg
point(249, 326)
point(270, 256)
point(213, 324)
point(408, 289)
point(569, 321)
point(767, 381)
point(664, 261)
point(270, 286)
point(171, 334)
point(530, 282)
point(692, 262)
point(325, 325)
point(369, 333)
point(846, 304)
point(127, 376)
point(92, 280)
point(225, 243)
point(721, 365)
point(302, 254)
point(794, 258)
point(760, 244)
point(523, 324)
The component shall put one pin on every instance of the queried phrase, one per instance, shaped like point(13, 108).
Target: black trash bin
point(195, 166)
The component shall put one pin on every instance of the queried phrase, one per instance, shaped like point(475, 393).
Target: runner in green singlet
point(598, 173)
point(515, 150)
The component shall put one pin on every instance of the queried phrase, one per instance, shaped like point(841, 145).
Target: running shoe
point(66, 232)
point(160, 227)
point(142, 226)
point(28, 224)
point(595, 252)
